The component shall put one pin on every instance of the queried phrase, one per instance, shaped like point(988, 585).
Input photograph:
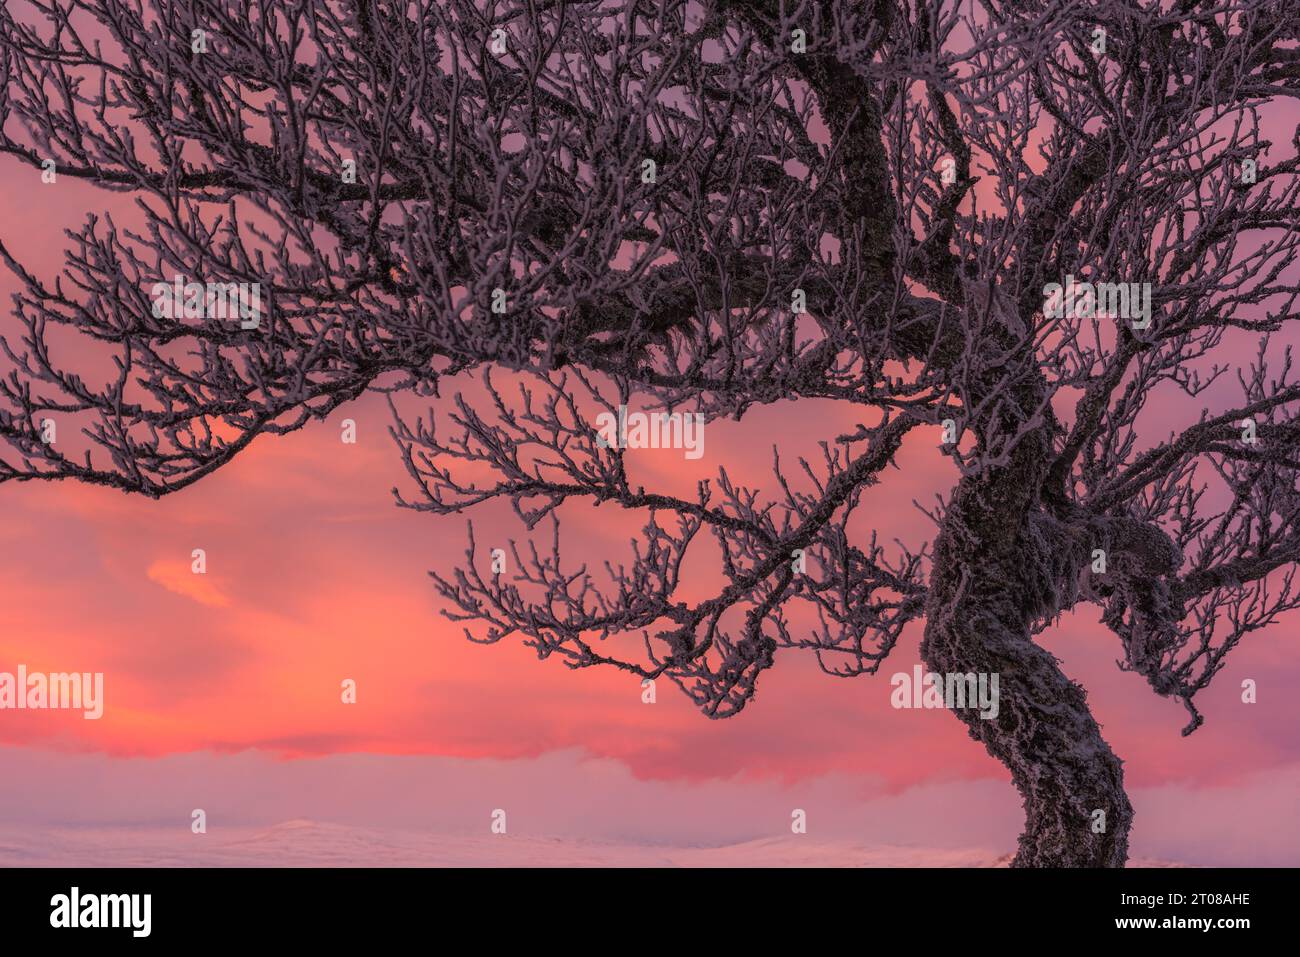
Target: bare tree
point(715, 205)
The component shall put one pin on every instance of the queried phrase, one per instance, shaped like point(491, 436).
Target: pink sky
point(222, 691)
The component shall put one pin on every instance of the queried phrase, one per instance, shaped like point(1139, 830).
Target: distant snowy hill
point(318, 844)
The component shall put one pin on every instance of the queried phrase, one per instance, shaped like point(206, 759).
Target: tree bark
point(987, 587)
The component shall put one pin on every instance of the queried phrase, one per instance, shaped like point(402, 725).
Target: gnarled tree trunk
point(985, 591)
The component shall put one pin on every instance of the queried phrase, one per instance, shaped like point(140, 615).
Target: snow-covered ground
point(318, 844)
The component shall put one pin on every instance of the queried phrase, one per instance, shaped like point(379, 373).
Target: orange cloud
point(178, 578)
